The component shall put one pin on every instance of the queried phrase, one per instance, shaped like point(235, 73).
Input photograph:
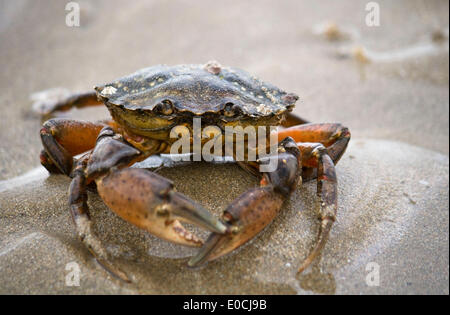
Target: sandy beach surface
point(389, 84)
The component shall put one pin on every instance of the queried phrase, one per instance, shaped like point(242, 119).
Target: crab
point(145, 106)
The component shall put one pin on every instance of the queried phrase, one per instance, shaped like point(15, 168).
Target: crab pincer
point(150, 202)
point(252, 211)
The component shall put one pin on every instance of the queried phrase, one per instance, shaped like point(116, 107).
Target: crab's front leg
point(82, 220)
point(256, 208)
point(140, 197)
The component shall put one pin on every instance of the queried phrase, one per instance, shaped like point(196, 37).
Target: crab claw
point(246, 216)
point(252, 211)
point(149, 201)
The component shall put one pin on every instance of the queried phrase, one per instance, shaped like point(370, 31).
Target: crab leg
point(50, 101)
point(251, 212)
point(84, 227)
point(327, 193)
point(334, 137)
point(322, 145)
point(108, 152)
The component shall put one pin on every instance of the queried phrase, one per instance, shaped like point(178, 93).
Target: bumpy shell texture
point(198, 89)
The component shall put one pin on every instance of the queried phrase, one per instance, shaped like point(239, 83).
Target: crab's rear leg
point(47, 102)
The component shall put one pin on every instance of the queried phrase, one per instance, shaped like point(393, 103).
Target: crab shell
point(193, 91)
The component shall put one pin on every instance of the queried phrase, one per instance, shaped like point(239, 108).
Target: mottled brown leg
point(83, 224)
point(62, 139)
point(316, 153)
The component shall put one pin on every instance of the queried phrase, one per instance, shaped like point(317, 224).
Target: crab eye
point(165, 107)
point(230, 109)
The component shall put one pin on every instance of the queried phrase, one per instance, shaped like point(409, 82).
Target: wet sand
point(393, 180)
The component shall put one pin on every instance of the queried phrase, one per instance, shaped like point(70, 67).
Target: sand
point(393, 180)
